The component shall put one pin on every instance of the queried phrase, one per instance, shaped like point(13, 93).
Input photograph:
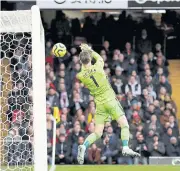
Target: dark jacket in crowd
point(160, 151)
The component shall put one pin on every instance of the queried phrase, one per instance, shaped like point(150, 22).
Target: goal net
point(23, 136)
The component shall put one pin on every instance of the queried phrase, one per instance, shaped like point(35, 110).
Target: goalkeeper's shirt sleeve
point(99, 59)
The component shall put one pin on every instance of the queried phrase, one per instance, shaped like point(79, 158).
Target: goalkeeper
point(95, 79)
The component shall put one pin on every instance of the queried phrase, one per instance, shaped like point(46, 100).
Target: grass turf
point(104, 168)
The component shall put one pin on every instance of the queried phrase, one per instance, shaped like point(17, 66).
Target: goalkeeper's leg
point(126, 151)
point(88, 141)
point(119, 116)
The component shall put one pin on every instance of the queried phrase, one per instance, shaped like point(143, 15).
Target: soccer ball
point(59, 50)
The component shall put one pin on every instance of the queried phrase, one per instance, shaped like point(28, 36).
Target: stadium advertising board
point(154, 4)
point(108, 4)
point(82, 4)
point(164, 161)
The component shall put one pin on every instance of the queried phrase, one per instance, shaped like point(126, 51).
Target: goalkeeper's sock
point(125, 135)
point(91, 139)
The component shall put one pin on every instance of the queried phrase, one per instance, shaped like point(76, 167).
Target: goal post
point(22, 41)
point(39, 92)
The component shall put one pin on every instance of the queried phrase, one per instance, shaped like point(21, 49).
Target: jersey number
point(94, 80)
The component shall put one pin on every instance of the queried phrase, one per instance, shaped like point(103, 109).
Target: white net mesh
point(16, 135)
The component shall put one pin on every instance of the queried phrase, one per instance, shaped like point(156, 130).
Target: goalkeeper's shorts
point(106, 112)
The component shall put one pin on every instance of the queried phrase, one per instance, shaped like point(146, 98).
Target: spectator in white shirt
point(133, 86)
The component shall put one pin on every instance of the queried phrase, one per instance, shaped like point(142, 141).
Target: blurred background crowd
point(137, 70)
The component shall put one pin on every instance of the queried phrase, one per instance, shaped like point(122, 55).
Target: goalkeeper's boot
point(126, 151)
point(81, 153)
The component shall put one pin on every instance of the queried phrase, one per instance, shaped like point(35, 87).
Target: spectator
point(144, 62)
point(156, 148)
point(77, 103)
point(144, 45)
point(165, 83)
point(167, 136)
point(132, 66)
point(123, 62)
point(53, 98)
point(150, 111)
point(165, 117)
point(154, 125)
point(119, 75)
point(62, 151)
point(60, 27)
point(135, 107)
point(133, 86)
point(76, 133)
point(75, 144)
point(173, 125)
point(128, 52)
point(94, 155)
point(173, 148)
point(141, 147)
point(109, 150)
point(64, 121)
point(64, 101)
point(135, 122)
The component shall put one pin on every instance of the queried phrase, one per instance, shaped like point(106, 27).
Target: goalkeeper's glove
point(85, 47)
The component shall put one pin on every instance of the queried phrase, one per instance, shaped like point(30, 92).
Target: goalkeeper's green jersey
point(95, 79)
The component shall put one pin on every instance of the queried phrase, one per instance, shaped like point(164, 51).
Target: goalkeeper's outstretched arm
point(98, 58)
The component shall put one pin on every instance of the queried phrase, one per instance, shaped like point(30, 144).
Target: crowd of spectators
point(139, 77)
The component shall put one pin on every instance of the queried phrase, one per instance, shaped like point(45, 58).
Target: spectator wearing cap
point(141, 147)
point(62, 151)
point(119, 74)
point(156, 148)
point(133, 86)
point(173, 149)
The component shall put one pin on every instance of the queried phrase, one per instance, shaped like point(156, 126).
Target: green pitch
point(105, 168)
